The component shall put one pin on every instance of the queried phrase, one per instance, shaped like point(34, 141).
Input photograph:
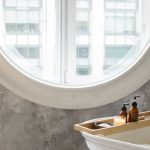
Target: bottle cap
point(123, 108)
point(134, 104)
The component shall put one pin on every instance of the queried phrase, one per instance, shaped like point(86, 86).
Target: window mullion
point(71, 42)
point(63, 38)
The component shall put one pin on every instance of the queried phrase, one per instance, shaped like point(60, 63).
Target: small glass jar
point(119, 121)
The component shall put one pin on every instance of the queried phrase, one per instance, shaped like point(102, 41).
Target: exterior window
point(22, 3)
point(29, 52)
point(11, 3)
point(10, 27)
point(82, 27)
point(82, 4)
point(34, 3)
point(120, 25)
point(22, 28)
point(21, 13)
point(82, 37)
point(82, 16)
point(10, 16)
point(34, 16)
point(72, 42)
point(115, 53)
point(34, 28)
point(82, 52)
point(121, 4)
point(130, 25)
point(83, 70)
point(110, 25)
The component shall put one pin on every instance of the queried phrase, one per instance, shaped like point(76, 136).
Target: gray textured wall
point(28, 126)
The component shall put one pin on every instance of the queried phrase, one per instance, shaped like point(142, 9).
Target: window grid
point(24, 29)
point(26, 34)
point(115, 18)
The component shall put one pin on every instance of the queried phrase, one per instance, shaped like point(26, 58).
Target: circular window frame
point(66, 97)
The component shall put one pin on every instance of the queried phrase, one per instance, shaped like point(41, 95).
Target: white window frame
point(76, 97)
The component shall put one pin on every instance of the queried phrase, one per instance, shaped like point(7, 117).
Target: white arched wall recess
point(75, 98)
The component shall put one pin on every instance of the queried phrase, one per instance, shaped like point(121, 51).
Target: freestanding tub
point(137, 139)
point(131, 140)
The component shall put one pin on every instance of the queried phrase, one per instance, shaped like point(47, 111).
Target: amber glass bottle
point(123, 112)
point(133, 112)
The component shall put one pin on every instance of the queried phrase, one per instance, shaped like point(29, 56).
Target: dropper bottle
point(123, 112)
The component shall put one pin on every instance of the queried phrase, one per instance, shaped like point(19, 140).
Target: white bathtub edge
point(111, 143)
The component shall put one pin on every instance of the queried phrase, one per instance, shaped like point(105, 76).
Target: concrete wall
point(28, 126)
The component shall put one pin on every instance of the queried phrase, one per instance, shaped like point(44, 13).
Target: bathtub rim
point(114, 143)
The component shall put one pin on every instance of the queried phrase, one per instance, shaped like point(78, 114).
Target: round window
point(75, 43)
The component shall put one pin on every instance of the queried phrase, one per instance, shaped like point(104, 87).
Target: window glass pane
point(82, 52)
point(82, 16)
point(34, 52)
point(10, 27)
point(131, 5)
point(120, 24)
point(10, 3)
point(110, 5)
point(83, 70)
point(131, 39)
point(22, 3)
point(11, 40)
point(120, 40)
point(130, 25)
point(83, 40)
point(82, 4)
point(34, 3)
point(33, 16)
point(34, 28)
point(121, 5)
point(29, 52)
point(120, 14)
point(116, 52)
point(22, 28)
point(22, 39)
point(82, 27)
point(23, 51)
point(11, 16)
point(110, 25)
point(22, 16)
point(131, 14)
point(33, 39)
point(110, 40)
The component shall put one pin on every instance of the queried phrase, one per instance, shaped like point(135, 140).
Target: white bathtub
point(138, 139)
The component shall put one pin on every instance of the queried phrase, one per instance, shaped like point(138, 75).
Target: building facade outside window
point(70, 42)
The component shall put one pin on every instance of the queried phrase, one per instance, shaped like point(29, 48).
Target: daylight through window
point(72, 42)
